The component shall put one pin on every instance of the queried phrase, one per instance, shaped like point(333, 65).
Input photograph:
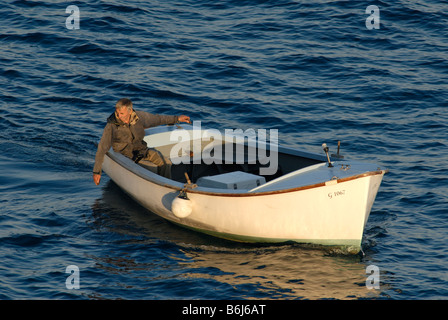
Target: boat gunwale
point(181, 186)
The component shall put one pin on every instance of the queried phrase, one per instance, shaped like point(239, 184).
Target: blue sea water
point(311, 69)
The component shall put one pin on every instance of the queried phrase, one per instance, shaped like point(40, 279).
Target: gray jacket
point(127, 138)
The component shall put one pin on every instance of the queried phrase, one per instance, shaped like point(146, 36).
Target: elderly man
point(124, 132)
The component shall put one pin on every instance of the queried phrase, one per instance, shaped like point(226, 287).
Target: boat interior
point(202, 160)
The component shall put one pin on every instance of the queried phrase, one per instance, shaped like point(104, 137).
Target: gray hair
point(124, 103)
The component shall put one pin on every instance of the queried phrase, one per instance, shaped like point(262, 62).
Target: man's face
point(124, 114)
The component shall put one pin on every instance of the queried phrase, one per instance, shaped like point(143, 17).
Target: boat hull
point(333, 213)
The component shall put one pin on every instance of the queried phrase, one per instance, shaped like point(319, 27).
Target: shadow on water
point(239, 271)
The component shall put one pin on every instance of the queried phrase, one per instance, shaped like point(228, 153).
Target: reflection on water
point(157, 249)
point(283, 272)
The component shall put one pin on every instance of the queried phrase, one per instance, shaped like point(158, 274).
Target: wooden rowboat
point(311, 198)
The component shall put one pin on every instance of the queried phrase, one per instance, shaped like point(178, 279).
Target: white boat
point(313, 198)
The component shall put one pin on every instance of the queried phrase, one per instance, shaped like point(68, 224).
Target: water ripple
point(309, 69)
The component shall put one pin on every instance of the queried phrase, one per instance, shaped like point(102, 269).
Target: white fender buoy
point(181, 207)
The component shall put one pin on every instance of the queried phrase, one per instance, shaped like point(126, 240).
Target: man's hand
point(96, 178)
point(184, 119)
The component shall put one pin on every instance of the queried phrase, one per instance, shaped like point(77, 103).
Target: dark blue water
point(311, 69)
